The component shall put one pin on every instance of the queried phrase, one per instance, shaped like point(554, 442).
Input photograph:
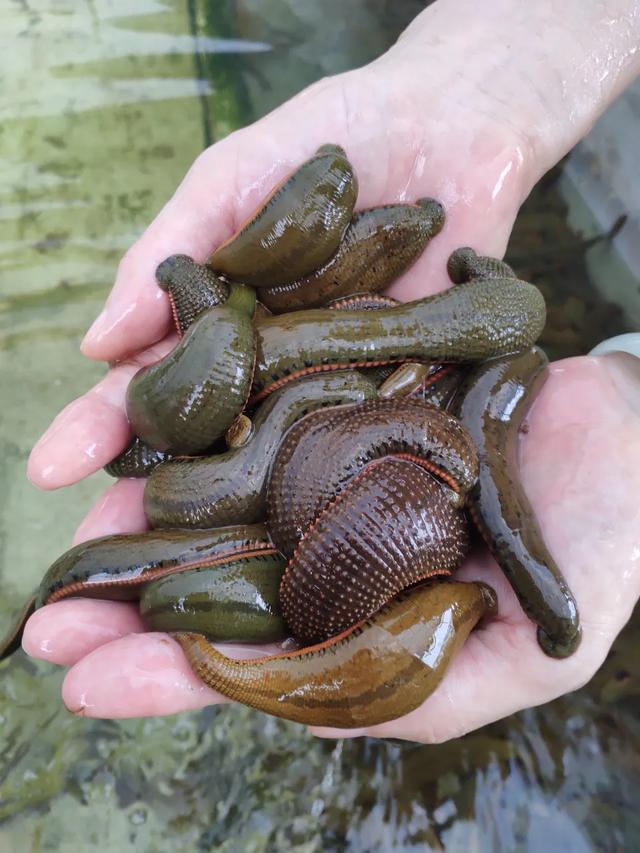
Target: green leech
point(182, 404)
point(231, 487)
point(470, 322)
point(492, 404)
point(233, 602)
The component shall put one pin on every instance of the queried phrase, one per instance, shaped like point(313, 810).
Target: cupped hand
point(404, 144)
point(408, 135)
point(580, 464)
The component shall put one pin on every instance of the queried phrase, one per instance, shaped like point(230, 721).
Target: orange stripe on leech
point(161, 572)
point(316, 647)
point(323, 368)
point(256, 210)
point(174, 312)
point(431, 467)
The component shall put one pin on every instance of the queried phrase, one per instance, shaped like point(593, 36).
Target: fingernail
point(621, 343)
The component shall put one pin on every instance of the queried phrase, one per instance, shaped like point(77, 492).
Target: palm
point(475, 166)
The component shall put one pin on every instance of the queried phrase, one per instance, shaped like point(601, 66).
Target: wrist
point(545, 70)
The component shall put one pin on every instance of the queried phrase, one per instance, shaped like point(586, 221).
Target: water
point(104, 106)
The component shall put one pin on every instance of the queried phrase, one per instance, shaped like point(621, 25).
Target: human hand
point(581, 470)
point(456, 137)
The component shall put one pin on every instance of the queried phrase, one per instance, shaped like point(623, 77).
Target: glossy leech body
point(324, 451)
point(136, 460)
point(374, 672)
point(119, 564)
point(377, 247)
point(183, 403)
point(231, 487)
point(392, 526)
point(224, 582)
point(297, 228)
point(470, 322)
point(193, 288)
point(234, 601)
point(492, 404)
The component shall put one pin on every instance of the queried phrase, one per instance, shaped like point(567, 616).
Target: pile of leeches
point(314, 451)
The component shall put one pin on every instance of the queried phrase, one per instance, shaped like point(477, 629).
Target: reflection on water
point(104, 106)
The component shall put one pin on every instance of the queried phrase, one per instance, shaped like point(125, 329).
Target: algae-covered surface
point(104, 106)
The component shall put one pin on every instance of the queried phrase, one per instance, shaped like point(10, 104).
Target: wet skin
point(492, 403)
point(408, 645)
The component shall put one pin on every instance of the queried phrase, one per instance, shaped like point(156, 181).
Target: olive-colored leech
point(232, 602)
point(392, 526)
point(11, 640)
point(297, 228)
point(377, 671)
point(192, 289)
point(378, 246)
point(137, 460)
point(470, 322)
point(322, 452)
point(492, 404)
point(425, 381)
point(466, 265)
point(182, 404)
point(115, 567)
point(231, 487)
point(368, 302)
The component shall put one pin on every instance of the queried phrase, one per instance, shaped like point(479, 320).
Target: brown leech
point(378, 246)
point(325, 450)
point(391, 527)
point(374, 672)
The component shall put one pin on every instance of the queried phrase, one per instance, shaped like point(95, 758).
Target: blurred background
point(104, 105)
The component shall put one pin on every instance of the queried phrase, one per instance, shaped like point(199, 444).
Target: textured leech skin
point(470, 322)
point(363, 302)
point(297, 228)
point(492, 404)
point(392, 526)
point(192, 289)
point(466, 265)
point(377, 671)
point(187, 400)
point(115, 566)
point(231, 487)
point(378, 246)
point(236, 601)
point(137, 460)
point(322, 452)
point(367, 302)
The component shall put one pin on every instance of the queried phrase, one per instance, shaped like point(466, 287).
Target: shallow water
point(103, 109)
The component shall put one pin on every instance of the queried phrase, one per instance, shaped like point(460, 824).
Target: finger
point(224, 185)
point(135, 676)
point(583, 429)
point(90, 431)
point(65, 632)
point(119, 510)
point(140, 676)
point(475, 172)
